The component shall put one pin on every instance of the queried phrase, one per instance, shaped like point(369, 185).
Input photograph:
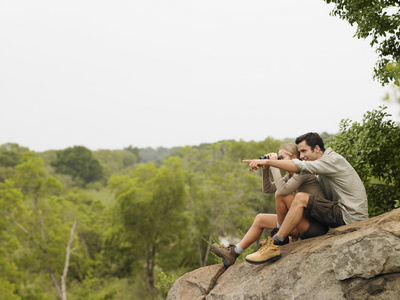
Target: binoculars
point(267, 157)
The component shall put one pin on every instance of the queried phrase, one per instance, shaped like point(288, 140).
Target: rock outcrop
point(356, 261)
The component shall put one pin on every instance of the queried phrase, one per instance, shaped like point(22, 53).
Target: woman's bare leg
point(260, 222)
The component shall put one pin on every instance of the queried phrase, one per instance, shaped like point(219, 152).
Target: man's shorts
point(322, 214)
point(324, 211)
point(313, 230)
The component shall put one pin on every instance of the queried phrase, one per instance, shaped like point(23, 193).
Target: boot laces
point(265, 245)
point(228, 249)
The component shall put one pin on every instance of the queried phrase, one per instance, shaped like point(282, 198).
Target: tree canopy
point(379, 21)
point(372, 148)
point(78, 162)
point(157, 217)
point(10, 156)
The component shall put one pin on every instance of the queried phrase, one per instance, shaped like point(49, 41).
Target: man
point(285, 189)
point(345, 202)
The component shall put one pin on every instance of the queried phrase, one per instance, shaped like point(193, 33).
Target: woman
point(285, 189)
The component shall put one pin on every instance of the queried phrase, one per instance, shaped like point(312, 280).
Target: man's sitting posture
point(285, 189)
point(345, 202)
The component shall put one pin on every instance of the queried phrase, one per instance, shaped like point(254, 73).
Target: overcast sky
point(109, 74)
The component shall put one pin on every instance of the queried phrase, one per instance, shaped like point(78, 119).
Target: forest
point(122, 224)
point(125, 224)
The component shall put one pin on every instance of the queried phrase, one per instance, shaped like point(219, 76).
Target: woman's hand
point(273, 156)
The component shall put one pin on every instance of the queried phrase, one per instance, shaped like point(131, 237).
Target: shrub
point(372, 148)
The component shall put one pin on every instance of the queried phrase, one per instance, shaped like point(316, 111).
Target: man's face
point(306, 153)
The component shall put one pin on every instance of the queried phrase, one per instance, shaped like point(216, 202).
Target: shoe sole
point(272, 259)
point(223, 258)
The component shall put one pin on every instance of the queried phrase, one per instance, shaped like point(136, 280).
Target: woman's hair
point(290, 149)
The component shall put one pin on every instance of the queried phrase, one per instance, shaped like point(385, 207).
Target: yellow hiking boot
point(267, 252)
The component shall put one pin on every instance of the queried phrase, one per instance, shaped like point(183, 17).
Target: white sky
point(109, 74)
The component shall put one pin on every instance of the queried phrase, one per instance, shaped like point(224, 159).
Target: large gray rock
point(356, 261)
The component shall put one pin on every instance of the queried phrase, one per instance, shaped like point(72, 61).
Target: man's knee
point(301, 199)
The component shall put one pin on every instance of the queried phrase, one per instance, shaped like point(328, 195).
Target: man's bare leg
point(295, 217)
point(282, 205)
point(270, 251)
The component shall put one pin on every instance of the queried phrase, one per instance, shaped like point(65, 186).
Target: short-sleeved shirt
point(340, 183)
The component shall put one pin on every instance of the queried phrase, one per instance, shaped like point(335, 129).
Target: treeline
point(124, 224)
point(104, 224)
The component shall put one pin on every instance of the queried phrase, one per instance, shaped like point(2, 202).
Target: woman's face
point(284, 155)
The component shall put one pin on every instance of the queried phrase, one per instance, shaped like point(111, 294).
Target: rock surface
point(356, 261)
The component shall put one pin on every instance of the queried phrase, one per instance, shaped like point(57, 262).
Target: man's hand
point(283, 164)
point(254, 164)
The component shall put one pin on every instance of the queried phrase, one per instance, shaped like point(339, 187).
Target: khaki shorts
point(324, 211)
point(322, 214)
point(315, 229)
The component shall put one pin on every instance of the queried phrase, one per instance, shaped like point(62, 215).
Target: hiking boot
point(268, 252)
point(228, 254)
point(261, 242)
point(286, 240)
point(274, 231)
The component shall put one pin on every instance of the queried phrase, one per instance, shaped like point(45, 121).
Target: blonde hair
point(290, 149)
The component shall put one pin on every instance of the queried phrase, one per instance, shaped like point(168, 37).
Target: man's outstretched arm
point(286, 165)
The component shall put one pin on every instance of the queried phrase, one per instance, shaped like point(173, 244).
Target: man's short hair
point(312, 139)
